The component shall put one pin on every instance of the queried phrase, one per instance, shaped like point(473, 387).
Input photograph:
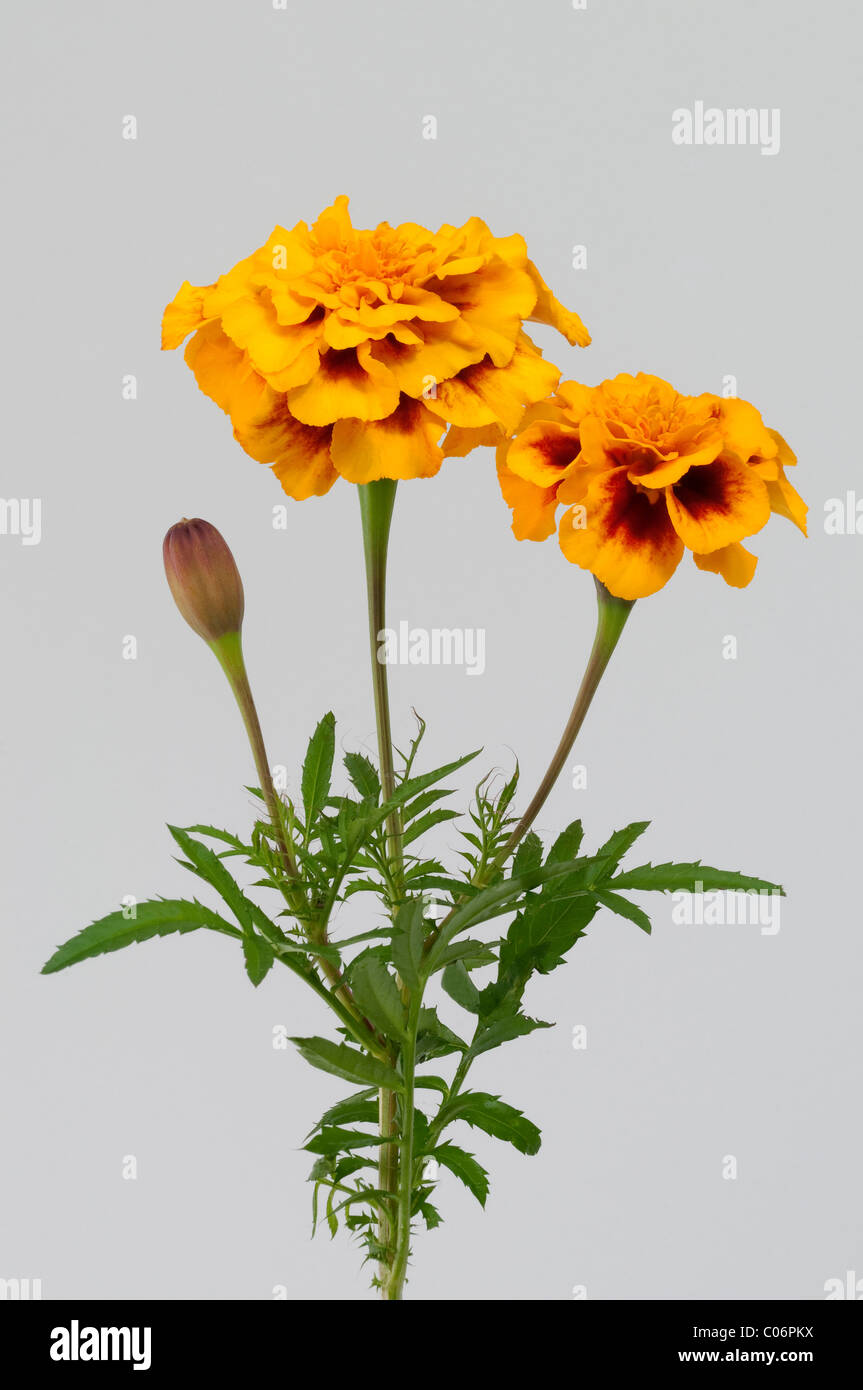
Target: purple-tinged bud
point(204, 579)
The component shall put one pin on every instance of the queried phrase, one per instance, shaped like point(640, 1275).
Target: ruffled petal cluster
point(646, 474)
point(340, 352)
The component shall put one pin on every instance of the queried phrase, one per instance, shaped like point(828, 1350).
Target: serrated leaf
point(473, 953)
point(207, 865)
point(358, 1108)
point(430, 1215)
point(426, 822)
point(622, 840)
point(434, 1038)
point(528, 855)
point(318, 768)
point(334, 1140)
point(156, 917)
point(377, 994)
point(459, 986)
point(683, 878)
point(363, 775)
point(465, 1167)
point(504, 1030)
point(349, 1063)
point(258, 955)
point(495, 1117)
point(407, 941)
point(498, 899)
point(421, 803)
point(567, 844)
point(624, 908)
point(215, 834)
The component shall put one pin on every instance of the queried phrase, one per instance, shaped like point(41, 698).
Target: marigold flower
point(649, 473)
point(337, 351)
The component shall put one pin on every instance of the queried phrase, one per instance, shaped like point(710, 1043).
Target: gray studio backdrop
point(704, 1043)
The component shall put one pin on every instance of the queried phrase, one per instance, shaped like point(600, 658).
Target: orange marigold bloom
point(340, 352)
point(648, 473)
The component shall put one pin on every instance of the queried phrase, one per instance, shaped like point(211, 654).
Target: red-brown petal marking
point(718, 504)
point(626, 540)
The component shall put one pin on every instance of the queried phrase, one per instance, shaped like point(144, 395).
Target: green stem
point(376, 510)
point(229, 652)
point(610, 620)
point(395, 1284)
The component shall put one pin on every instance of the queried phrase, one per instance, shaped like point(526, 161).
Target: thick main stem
point(611, 617)
point(376, 509)
point(395, 1284)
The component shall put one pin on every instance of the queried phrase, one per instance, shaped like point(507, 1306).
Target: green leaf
point(258, 955)
point(208, 866)
point(465, 1166)
point(459, 986)
point(528, 855)
point(377, 994)
point(156, 917)
point(431, 1216)
point(426, 822)
point(498, 899)
point(333, 1140)
point(318, 768)
point(683, 878)
point(422, 803)
point(214, 834)
point(363, 775)
point(473, 953)
point(358, 1108)
point(414, 785)
point(434, 1038)
point(567, 844)
point(495, 1117)
point(622, 840)
point(624, 908)
point(544, 931)
point(407, 941)
point(349, 1063)
point(504, 1030)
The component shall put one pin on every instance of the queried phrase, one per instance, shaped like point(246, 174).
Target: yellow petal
point(404, 445)
point(533, 508)
point(549, 310)
point(734, 562)
point(542, 452)
point(485, 394)
point(461, 440)
point(303, 467)
point(713, 506)
point(786, 501)
point(349, 383)
point(622, 537)
point(184, 314)
point(224, 373)
point(744, 431)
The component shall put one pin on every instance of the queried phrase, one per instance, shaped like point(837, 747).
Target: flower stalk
point(377, 500)
point(612, 613)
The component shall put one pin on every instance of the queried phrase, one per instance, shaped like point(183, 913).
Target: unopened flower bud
point(204, 579)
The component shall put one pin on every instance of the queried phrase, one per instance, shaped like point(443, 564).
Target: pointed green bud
point(204, 579)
